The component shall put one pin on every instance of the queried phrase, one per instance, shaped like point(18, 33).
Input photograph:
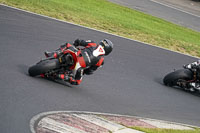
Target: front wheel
point(172, 78)
point(43, 67)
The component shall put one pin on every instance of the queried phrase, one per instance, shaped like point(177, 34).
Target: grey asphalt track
point(165, 12)
point(129, 83)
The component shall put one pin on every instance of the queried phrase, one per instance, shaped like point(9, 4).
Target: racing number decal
point(101, 50)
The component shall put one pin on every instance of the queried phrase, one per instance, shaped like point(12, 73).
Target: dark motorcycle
point(51, 67)
point(187, 78)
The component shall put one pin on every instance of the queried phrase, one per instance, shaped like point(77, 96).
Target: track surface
point(129, 83)
point(181, 12)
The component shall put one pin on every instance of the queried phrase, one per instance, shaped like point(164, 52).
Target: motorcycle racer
point(195, 64)
point(187, 78)
point(83, 60)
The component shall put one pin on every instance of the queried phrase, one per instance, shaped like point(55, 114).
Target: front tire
point(43, 67)
point(172, 78)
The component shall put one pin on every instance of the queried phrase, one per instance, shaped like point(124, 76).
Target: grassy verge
point(106, 16)
point(158, 130)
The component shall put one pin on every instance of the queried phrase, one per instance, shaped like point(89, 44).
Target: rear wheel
point(43, 67)
point(171, 79)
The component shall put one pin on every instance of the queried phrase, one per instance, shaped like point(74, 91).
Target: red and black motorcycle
point(51, 67)
point(187, 78)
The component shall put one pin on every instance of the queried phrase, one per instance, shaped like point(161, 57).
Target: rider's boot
point(53, 54)
point(48, 54)
point(193, 85)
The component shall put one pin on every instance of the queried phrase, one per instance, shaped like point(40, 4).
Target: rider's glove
point(77, 42)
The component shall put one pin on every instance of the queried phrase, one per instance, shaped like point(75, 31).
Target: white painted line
point(113, 127)
point(97, 30)
point(128, 130)
point(58, 127)
point(100, 122)
point(38, 116)
point(174, 8)
point(166, 125)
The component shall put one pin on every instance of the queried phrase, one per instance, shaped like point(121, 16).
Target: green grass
point(106, 16)
point(157, 130)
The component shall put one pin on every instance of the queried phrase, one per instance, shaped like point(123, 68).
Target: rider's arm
point(84, 43)
point(100, 62)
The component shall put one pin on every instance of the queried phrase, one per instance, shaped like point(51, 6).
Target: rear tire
point(172, 78)
point(43, 67)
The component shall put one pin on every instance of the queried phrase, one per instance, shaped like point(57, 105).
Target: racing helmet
point(107, 45)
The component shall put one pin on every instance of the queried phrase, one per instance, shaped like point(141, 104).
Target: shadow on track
point(24, 70)
point(59, 82)
point(187, 91)
point(159, 80)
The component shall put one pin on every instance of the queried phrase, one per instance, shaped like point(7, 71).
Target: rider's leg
point(56, 52)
